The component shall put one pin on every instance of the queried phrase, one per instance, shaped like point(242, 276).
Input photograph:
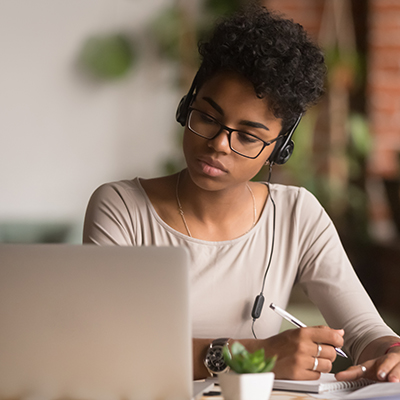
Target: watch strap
point(220, 342)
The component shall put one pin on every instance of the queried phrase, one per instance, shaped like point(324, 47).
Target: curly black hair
point(275, 54)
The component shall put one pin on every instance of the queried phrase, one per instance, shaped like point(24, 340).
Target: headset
point(284, 146)
point(182, 111)
point(280, 155)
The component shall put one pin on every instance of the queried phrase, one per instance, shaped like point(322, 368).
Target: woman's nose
point(220, 143)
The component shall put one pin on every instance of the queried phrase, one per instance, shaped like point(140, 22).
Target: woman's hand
point(384, 368)
point(304, 353)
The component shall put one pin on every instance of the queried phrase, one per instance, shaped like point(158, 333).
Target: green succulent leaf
point(243, 362)
point(269, 364)
point(237, 349)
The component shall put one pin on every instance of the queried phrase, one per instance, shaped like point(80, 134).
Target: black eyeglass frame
point(230, 130)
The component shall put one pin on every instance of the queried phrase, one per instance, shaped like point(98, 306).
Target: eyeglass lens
point(208, 127)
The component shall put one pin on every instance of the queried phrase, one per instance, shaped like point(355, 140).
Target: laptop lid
point(89, 322)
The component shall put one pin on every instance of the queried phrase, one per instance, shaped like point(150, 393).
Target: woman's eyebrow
point(252, 124)
point(214, 104)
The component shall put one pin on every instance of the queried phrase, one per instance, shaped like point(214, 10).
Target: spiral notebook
point(326, 383)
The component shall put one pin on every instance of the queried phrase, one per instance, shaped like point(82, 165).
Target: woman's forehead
point(232, 92)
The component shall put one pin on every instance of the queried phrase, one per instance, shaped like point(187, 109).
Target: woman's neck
point(215, 215)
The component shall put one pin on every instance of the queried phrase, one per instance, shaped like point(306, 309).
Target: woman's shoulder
point(108, 218)
point(298, 200)
point(133, 193)
point(120, 188)
point(291, 193)
point(118, 194)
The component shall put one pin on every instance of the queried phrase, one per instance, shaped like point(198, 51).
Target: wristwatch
point(214, 359)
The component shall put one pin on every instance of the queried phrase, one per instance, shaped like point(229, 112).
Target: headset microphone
point(257, 306)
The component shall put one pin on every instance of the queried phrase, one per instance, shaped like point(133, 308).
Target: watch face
point(215, 359)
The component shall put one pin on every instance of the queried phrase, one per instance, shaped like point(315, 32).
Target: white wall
point(62, 135)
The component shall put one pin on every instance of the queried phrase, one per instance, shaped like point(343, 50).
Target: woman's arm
point(326, 275)
point(382, 362)
point(296, 350)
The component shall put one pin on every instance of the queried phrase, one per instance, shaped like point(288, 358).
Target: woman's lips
point(212, 167)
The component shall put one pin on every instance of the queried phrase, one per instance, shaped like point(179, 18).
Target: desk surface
point(276, 395)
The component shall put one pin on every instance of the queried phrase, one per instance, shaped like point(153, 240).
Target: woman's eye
point(245, 137)
point(207, 119)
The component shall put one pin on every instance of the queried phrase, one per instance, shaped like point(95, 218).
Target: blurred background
point(89, 89)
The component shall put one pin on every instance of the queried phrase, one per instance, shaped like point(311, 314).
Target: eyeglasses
point(242, 143)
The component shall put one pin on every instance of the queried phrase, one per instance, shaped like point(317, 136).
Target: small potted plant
point(250, 376)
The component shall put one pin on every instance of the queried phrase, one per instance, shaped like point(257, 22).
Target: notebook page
point(326, 383)
point(377, 391)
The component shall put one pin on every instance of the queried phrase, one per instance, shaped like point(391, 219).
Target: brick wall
point(384, 86)
point(305, 12)
point(383, 82)
point(377, 25)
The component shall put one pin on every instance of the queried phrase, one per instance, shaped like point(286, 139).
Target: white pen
point(299, 324)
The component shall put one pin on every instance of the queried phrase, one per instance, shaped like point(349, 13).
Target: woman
point(259, 74)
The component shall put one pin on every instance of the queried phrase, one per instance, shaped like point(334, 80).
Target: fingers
point(319, 350)
point(394, 375)
point(354, 372)
point(326, 335)
point(326, 351)
point(386, 368)
point(304, 353)
point(323, 341)
point(302, 368)
point(320, 364)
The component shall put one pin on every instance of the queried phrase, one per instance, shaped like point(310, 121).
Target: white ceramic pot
point(246, 386)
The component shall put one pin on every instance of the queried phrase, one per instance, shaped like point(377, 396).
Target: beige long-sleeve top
point(226, 276)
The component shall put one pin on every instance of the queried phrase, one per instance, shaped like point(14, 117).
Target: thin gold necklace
point(183, 214)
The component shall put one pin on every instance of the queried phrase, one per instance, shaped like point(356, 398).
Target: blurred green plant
point(174, 34)
point(109, 56)
point(242, 362)
point(171, 27)
point(165, 29)
point(361, 141)
point(304, 169)
point(221, 7)
point(350, 64)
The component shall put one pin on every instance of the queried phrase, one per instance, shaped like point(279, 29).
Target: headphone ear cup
point(284, 154)
point(284, 146)
point(182, 111)
point(281, 152)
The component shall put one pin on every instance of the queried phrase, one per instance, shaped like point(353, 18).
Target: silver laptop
point(89, 322)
